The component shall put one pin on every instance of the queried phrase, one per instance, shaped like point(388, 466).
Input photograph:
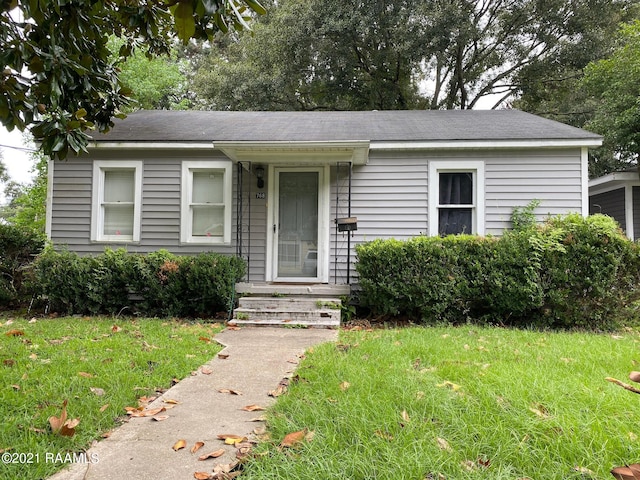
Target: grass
point(46, 362)
point(457, 403)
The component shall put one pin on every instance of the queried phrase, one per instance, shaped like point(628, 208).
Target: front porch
point(281, 304)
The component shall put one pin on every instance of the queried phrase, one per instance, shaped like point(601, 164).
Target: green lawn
point(457, 403)
point(99, 365)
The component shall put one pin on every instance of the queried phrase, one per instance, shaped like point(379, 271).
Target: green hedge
point(18, 249)
point(569, 272)
point(159, 284)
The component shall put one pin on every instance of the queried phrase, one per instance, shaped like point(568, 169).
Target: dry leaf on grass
point(628, 472)
point(293, 438)
point(62, 425)
point(344, 386)
point(443, 444)
point(14, 333)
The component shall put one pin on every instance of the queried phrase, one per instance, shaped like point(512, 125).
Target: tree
point(615, 84)
point(155, 83)
point(383, 54)
point(57, 78)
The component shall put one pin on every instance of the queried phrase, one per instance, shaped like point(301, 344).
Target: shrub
point(158, 284)
point(569, 272)
point(18, 249)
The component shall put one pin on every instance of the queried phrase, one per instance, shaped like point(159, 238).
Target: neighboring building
point(618, 195)
point(294, 192)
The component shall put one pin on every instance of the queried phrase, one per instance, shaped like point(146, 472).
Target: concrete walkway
point(257, 359)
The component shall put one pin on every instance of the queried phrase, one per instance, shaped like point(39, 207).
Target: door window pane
point(298, 224)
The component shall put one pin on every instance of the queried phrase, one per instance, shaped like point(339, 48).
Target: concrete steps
point(288, 305)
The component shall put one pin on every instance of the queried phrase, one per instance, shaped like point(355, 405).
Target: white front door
point(299, 233)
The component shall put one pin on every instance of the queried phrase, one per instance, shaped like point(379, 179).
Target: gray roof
point(375, 126)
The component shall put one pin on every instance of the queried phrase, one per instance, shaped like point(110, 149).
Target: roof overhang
point(331, 152)
point(613, 181)
point(487, 144)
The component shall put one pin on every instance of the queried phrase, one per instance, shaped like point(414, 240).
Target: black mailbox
point(347, 224)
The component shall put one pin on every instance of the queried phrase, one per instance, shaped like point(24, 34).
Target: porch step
point(289, 310)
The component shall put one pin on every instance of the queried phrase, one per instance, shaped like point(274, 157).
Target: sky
point(18, 162)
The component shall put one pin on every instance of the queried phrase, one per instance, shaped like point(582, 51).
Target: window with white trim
point(116, 202)
point(206, 202)
point(456, 198)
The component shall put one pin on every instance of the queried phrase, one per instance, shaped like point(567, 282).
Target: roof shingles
point(374, 126)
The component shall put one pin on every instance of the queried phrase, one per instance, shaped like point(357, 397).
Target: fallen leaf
point(202, 476)
point(234, 441)
point(69, 427)
point(56, 423)
point(344, 386)
point(252, 408)
point(229, 391)
point(214, 454)
point(443, 444)
point(223, 356)
point(383, 435)
point(97, 391)
point(14, 333)
point(540, 410)
point(15, 387)
point(104, 407)
point(171, 401)
point(179, 445)
point(160, 418)
point(450, 385)
point(231, 439)
point(584, 471)
point(405, 416)
point(468, 465)
point(146, 413)
point(85, 374)
point(628, 472)
point(281, 389)
point(206, 370)
point(9, 362)
point(205, 339)
point(116, 329)
point(293, 438)
point(197, 446)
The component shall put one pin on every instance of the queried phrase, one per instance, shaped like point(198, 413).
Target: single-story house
point(294, 192)
point(618, 195)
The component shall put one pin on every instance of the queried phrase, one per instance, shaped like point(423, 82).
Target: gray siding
point(636, 211)
point(160, 223)
point(610, 203)
point(390, 193)
point(389, 197)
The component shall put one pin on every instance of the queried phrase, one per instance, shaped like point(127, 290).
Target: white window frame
point(186, 223)
point(476, 168)
point(97, 213)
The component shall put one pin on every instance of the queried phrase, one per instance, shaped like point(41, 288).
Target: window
point(117, 198)
point(456, 199)
point(206, 202)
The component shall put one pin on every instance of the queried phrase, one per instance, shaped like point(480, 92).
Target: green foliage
point(352, 55)
point(27, 205)
point(615, 81)
point(73, 86)
point(568, 272)
point(523, 218)
point(18, 249)
point(158, 284)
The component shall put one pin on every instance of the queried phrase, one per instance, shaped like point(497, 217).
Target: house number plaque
point(261, 195)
